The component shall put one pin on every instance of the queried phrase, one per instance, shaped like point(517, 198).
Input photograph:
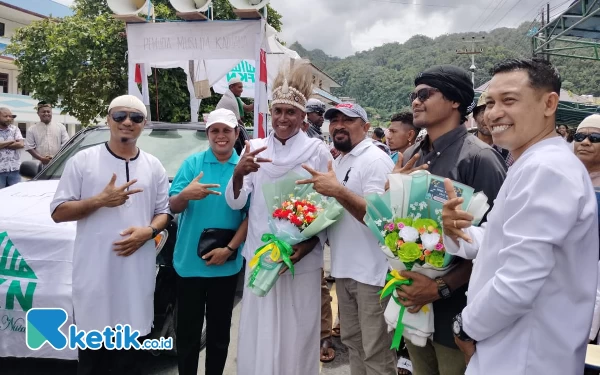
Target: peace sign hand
point(249, 162)
point(324, 183)
point(113, 196)
point(453, 218)
point(408, 168)
point(196, 190)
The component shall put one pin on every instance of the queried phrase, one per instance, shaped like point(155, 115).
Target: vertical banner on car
point(261, 97)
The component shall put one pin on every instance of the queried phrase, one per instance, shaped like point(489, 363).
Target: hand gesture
point(249, 162)
point(113, 196)
point(217, 257)
point(453, 218)
point(324, 183)
point(196, 191)
point(138, 236)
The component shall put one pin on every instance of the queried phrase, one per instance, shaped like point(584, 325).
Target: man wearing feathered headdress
point(279, 333)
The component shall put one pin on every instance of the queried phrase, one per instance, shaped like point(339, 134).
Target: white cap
point(222, 116)
point(234, 80)
point(592, 121)
point(128, 101)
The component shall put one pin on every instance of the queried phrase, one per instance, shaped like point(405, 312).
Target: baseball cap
point(222, 116)
point(348, 109)
point(481, 102)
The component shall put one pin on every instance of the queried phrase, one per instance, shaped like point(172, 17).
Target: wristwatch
point(155, 231)
point(443, 289)
point(457, 329)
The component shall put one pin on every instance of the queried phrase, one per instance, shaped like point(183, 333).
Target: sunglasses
point(135, 117)
point(422, 94)
point(580, 137)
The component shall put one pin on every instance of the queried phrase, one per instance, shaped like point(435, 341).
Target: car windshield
point(170, 146)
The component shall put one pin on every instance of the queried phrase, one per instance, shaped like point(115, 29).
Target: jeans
point(9, 179)
point(195, 296)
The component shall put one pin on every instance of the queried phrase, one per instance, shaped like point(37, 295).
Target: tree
point(80, 62)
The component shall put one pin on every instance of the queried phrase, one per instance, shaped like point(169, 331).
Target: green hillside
point(381, 78)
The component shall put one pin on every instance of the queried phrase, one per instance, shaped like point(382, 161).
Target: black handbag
point(214, 238)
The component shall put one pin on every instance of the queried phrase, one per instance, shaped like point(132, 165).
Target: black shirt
point(464, 158)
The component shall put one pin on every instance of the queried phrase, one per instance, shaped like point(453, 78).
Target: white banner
point(35, 265)
point(183, 41)
point(246, 72)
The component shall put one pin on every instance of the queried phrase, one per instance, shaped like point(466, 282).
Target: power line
point(506, 14)
point(489, 15)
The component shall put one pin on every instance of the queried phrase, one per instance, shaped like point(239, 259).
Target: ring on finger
point(255, 159)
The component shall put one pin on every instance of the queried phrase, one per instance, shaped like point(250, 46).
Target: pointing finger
point(113, 179)
point(127, 185)
point(400, 160)
point(213, 192)
point(263, 160)
point(411, 162)
point(305, 182)
point(247, 150)
point(449, 188)
point(330, 166)
point(310, 170)
point(134, 191)
point(199, 177)
point(211, 186)
point(257, 151)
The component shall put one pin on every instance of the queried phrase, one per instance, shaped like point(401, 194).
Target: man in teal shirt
point(206, 284)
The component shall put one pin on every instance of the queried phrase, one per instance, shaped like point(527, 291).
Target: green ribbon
point(279, 250)
point(394, 282)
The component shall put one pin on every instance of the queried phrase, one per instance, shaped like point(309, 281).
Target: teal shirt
point(210, 212)
point(395, 157)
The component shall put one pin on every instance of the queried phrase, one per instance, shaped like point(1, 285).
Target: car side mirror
point(29, 169)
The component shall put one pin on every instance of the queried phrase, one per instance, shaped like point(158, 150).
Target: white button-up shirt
point(355, 252)
point(533, 286)
point(46, 140)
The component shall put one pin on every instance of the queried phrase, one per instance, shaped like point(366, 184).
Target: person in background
point(207, 284)
point(45, 138)
point(484, 133)
point(11, 141)
point(516, 320)
point(563, 130)
point(232, 101)
point(279, 333)
point(119, 197)
point(402, 134)
point(314, 113)
point(587, 149)
point(442, 100)
point(378, 140)
point(357, 263)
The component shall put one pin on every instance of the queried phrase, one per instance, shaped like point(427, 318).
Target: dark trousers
point(104, 361)
point(195, 296)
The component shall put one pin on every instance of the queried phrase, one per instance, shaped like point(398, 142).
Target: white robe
point(279, 333)
point(533, 286)
point(109, 289)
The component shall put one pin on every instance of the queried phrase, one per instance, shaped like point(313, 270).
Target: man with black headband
point(441, 101)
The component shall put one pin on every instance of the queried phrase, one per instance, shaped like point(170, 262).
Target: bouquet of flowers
point(407, 222)
point(297, 213)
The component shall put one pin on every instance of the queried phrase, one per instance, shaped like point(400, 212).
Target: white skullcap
point(128, 101)
point(234, 80)
point(222, 116)
point(592, 121)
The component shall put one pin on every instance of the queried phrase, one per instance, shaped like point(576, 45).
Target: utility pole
point(472, 51)
point(547, 31)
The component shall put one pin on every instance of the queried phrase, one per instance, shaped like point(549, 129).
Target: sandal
point(327, 350)
point(335, 331)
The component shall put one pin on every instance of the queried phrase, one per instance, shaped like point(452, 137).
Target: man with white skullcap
point(231, 100)
point(119, 197)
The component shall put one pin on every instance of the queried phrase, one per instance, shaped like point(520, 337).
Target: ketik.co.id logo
point(44, 326)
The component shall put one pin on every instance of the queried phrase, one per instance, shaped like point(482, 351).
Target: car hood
point(25, 211)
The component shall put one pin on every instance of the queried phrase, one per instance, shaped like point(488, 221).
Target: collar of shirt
point(361, 147)
point(210, 157)
point(120, 158)
point(440, 144)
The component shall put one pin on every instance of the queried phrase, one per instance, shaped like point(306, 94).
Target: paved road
point(166, 365)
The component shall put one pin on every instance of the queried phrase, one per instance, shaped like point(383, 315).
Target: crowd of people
point(519, 299)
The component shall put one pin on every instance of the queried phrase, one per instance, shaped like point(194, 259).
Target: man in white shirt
point(119, 196)
point(532, 290)
point(357, 263)
point(279, 333)
point(45, 138)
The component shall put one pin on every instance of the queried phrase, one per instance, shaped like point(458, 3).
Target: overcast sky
point(343, 27)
